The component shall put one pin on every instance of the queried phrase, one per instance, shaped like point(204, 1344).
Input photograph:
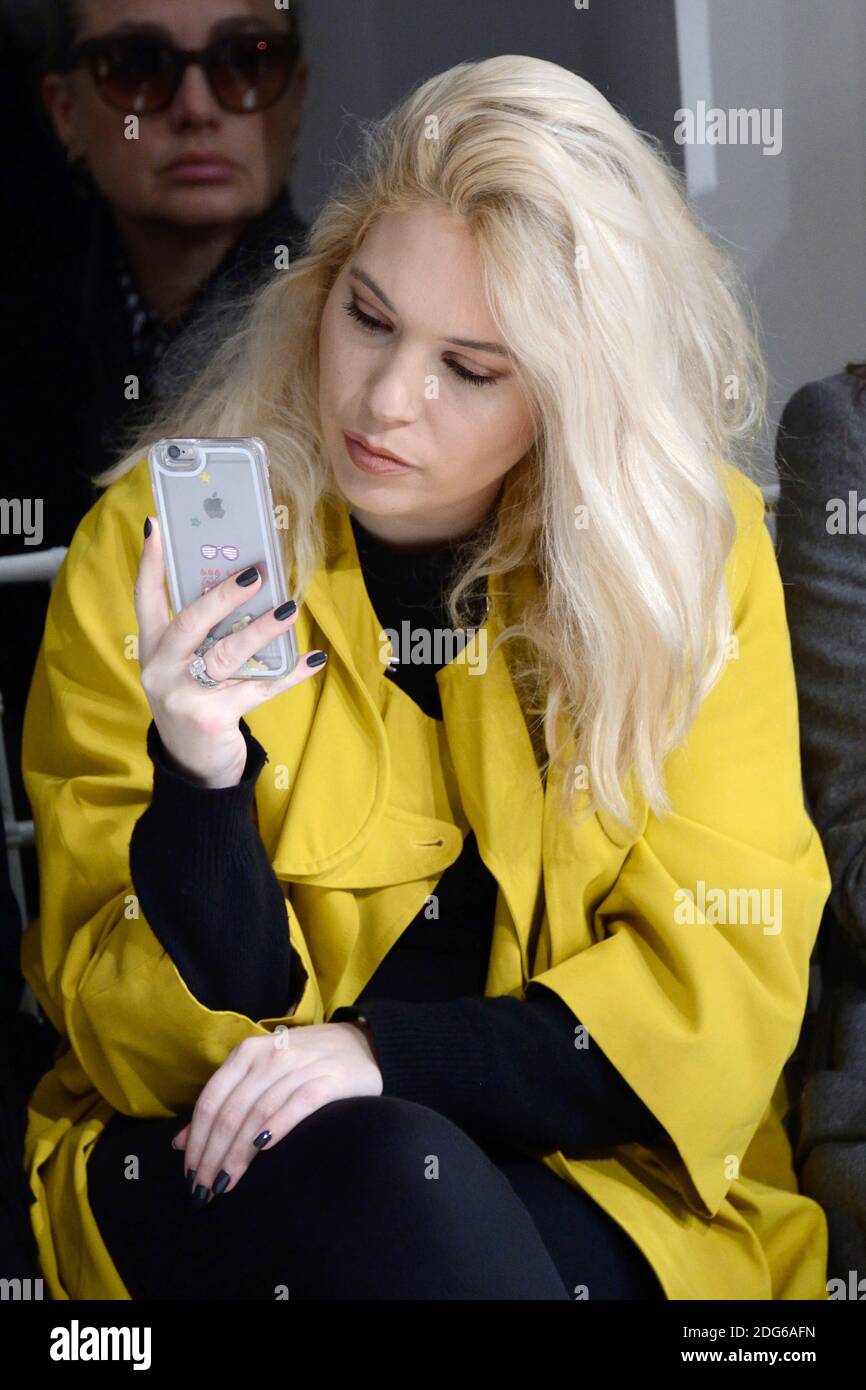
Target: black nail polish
point(199, 1197)
point(147, 527)
point(221, 1182)
point(190, 1179)
point(262, 1139)
point(285, 610)
point(248, 577)
point(317, 658)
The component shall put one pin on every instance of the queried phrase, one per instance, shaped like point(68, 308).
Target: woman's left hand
point(271, 1084)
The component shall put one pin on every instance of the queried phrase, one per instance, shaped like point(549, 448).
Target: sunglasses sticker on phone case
point(213, 574)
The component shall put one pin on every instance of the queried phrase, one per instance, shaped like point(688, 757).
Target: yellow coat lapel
point(356, 746)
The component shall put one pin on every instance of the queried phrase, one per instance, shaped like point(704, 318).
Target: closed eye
point(372, 325)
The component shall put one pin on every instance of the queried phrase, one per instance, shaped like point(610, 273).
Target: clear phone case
point(216, 514)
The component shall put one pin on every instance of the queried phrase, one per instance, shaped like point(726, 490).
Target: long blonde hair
point(628, 327)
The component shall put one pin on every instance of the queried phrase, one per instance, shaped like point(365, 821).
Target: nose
point(396, 386)
point(194, 103)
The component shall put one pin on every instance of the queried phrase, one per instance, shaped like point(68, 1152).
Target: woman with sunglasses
point(180, 122)
point(470, 994)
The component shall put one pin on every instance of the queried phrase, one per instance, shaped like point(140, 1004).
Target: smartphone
point(216, 515)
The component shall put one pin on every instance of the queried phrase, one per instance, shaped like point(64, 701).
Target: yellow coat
point(363, 805)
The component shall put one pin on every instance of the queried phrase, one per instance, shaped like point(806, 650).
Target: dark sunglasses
point(140, 75)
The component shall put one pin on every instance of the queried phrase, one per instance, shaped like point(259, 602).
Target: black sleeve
point(504, 1069)
point(208, 890)
point(507, 1070)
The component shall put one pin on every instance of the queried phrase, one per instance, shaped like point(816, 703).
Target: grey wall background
point(796, 221)
point(366, 55)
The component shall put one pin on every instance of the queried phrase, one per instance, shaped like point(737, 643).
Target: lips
point(202, 164)
point(371, 461)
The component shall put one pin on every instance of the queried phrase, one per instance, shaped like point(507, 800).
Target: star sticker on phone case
point(204, 477)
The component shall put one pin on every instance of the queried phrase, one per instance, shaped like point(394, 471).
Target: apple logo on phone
point(213, 506)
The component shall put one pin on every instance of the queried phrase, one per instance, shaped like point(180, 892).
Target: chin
point(360, 490)
point(201, 205)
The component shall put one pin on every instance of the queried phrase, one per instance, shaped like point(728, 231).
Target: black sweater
point(506, 1070)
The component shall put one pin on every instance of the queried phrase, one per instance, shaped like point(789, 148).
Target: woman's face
point(141, 177)
point(405, 384)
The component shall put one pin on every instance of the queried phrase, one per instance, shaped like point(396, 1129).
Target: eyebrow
point(460, 342)
point(230, 25)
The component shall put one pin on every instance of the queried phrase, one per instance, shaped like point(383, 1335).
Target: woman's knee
point(399, 1202)
point(380, 1141)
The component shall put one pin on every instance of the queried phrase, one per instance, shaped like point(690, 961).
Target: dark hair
point(65, 16)
point(857, 370)
point(61, 28)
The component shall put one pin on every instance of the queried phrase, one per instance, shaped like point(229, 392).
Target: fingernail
point(262, 1139)
point(248, 577)
point(221, 1182)
point(285, 610)
point(147, 527)
point(174, 1145)
point(190, 1179)
point(317, 658)
point(199, 1197)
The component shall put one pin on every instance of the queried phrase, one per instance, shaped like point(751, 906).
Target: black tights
point(371, 1197)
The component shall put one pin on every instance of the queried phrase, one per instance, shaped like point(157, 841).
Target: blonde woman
point(484, 987)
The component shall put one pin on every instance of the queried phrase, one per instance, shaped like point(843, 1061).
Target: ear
point(300, 83)
point(297, 97)
point(58, 98)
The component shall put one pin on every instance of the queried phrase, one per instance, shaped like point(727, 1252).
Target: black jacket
point(162, 357)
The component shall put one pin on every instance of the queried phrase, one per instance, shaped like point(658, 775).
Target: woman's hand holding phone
point(200, 726)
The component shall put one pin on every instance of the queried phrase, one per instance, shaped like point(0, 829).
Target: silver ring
point(198, 669)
